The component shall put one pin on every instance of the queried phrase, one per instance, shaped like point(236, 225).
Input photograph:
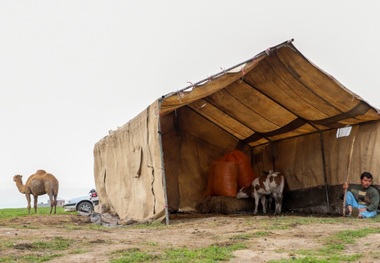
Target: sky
point(70, 71)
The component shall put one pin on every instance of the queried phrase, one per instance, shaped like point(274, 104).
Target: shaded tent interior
point(277, 107)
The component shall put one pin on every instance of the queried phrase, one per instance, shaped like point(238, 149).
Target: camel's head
point(17, 178)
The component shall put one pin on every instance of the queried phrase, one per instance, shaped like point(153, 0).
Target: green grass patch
point(214, 253)
point(58, 243)
point(247, 236)
point(40, 251)
point(96, 227)
point(78, 251)
point(150, 225)
point(316, 259)
point(133, 255)
point(28, 258)
point(16, 212)
point(337, 243)
point(334, 247)
point(152, 244)
point(242, 236)
point(261, 234)
point(5, 245)
point(350, 236)
point(286, 222)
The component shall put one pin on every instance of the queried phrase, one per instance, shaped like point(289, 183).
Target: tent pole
point(324, 171)
point(348, 174)
point(163, 165)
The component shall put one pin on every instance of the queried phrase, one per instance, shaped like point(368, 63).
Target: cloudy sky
point(70, 71)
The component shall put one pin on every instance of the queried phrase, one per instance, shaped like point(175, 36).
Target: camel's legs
point(53, 203)
point(28, 200)
point(35, 203)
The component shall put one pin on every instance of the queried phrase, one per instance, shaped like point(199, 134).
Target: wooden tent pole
point(164, 185)
point(324, 171)
point(348, 173)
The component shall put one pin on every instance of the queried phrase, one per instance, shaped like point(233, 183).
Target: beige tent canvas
point(277, 107)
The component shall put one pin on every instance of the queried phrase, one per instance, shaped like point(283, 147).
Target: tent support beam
point(324, 171)
point(163, 166)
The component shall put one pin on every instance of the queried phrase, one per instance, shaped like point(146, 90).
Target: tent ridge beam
point(296, 123)
point(333, 122)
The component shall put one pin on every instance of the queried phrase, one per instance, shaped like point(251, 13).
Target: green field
point(15, 212)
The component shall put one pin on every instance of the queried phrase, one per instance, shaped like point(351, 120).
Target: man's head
point(366, 179)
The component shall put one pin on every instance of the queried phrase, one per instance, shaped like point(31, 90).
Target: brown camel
point(37, 184)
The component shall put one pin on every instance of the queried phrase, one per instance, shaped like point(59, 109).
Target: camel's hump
point(41, 176)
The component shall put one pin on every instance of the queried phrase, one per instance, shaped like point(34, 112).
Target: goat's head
point(242, 193)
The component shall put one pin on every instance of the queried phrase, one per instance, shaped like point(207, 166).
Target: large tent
point(278, 108)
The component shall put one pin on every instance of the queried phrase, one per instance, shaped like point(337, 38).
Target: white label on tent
point(343, 132)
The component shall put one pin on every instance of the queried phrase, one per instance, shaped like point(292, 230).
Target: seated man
point(362, 200)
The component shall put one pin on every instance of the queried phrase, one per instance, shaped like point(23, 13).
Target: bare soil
point(266, 237)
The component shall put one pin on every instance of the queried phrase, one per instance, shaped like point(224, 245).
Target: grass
point(96, 227)
point(284, 222)
point(150, 225)
point(311, 259)
point(9, 213)
point(39, 251)
point(333, 248)
point(248, 236)
point(349, 236)
point(17, 212)
point(214, 253)
point(57, 243)
point(133, 255)
point(28, 258)
point(36, 251)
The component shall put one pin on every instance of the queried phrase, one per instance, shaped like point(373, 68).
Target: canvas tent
point(277, 107)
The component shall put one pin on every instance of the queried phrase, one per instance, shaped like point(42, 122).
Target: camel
point(37, 184)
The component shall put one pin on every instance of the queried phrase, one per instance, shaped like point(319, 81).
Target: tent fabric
point(278, 108)
point(277, 95)
point(128, 169)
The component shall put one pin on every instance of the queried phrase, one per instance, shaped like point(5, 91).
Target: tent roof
point(276, 95)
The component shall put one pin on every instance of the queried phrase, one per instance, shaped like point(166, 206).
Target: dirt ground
point(266, 237)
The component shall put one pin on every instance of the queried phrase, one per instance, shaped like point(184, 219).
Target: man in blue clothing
point(362, 200)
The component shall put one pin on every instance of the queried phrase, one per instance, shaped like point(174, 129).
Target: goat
point(272, 184)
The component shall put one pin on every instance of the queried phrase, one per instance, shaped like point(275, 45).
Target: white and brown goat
point(272, 184)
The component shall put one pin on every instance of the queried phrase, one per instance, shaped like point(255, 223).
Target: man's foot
point(355, 212)
point(346, 211)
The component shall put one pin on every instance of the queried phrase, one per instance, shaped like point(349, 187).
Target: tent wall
point(365, 157)
point(315, 165)
point(190, 144)
point(128, 170)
